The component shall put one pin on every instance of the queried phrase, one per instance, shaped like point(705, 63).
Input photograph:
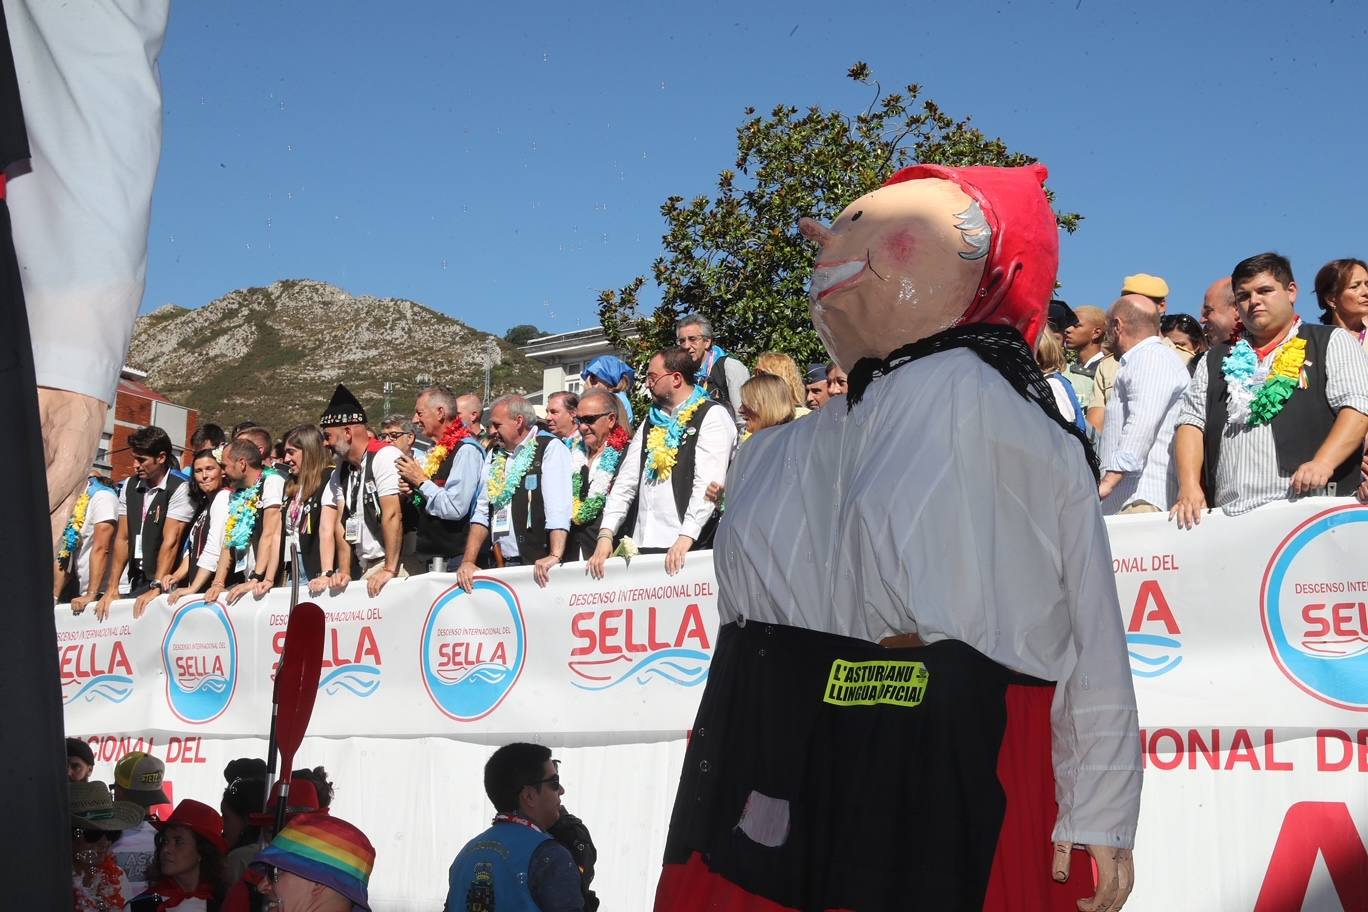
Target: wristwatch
point(257, 577)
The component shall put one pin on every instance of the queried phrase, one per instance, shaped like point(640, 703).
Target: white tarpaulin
point(1248, 639)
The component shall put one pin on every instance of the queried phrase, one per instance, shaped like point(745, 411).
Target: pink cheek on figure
point(899, 246)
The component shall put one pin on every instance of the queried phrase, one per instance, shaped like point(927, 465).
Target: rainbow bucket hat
point(325, 850)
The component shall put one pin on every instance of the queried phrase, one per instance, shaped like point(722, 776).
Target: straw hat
point(94, 808)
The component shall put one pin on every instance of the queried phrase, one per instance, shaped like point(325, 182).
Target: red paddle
point(296, 688)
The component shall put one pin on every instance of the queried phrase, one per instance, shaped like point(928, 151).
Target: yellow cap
point(1142, 283)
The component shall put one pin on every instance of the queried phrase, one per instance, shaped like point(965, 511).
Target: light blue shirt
point(1137, 436)
point(555, 491)
point(456, 499)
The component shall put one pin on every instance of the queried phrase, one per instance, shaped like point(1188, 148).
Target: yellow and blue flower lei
point(503, 481)
point(667, 432)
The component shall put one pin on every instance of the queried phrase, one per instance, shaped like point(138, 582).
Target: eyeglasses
point(553, 781)
point(590, 419)
point(652, 378)
point(395, 435)
point(688, 340)
point(94, 836)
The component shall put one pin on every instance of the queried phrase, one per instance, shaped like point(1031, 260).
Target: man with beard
point(361, 502)
point(252, 535)
point(524, 500)
point(916, 599)
point(446, 486)
point(684, 444)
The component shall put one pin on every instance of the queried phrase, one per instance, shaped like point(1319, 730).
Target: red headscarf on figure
point(1023, 259)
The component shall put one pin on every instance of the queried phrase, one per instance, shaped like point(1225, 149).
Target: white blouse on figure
point(948, 505)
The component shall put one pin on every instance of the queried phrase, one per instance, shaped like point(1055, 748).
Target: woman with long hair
point(199, 558)
point(186, 874)
point(307, 458)
point(778, 364)
point(1049, 354)
point(766, 401)
point(1342, 292)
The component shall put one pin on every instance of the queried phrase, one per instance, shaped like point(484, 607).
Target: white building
point(563, 357)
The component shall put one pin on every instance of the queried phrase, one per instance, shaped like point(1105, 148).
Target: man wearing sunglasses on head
point(517, 863)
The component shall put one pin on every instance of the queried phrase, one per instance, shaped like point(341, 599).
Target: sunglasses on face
point(93, 836)
point(590, 419)
point(553, 781)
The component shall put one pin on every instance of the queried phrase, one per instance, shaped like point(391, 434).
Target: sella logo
point(351, 660)
point(639, 645)
point(199, 654)
point(1314, 617)
point(473, 648)
point(1152, 653)
point(94, 670)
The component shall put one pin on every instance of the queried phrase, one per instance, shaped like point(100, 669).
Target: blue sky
point(504, 163)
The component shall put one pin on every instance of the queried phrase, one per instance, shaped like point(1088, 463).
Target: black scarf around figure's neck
point(1001, 348)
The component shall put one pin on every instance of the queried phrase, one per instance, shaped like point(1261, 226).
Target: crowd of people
point(1240, 407)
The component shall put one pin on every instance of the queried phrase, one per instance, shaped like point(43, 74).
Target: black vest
point(310, 518)
point(527, 513)
point(444, 537)
point(1298, 430)
point(715, 384)
point(140, 572)
point(681, 476)
point(370, 500)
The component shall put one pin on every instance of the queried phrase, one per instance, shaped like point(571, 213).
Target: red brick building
point(138, 405)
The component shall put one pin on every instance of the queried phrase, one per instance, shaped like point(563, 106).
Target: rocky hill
point(274, 354)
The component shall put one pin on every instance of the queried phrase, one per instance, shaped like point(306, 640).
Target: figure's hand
point(410, 471)
point(541, 570)
point(102, 606)
point(1311, 476)
point(603, 549)
point(1188, 509)
point(714, 492)
point(465, 575)
point(378, 581)
point(79, 603)
point(140, 606)
point(1115, 875)
point(674, 558)
point(71, 425)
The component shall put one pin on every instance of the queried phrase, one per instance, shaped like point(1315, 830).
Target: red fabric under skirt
point(1020, 879)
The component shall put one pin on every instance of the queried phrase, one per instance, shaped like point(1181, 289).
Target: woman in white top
point(199, 559)
point(1342, 292)
point(1050, 356)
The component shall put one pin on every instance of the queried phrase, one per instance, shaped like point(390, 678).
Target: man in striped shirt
point(1236, 447)
point(1137, 436)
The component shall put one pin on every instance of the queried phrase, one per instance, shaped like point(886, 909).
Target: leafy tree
point(738, 259)
point(522, 334)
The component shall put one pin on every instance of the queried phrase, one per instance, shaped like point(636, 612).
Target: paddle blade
point(296, 683)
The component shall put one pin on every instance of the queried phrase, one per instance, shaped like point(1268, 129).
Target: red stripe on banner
point(693, 886)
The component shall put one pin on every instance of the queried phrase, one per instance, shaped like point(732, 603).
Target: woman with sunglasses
point(98, 884)
point(199, 557)
point(187, 873)
point(1187, 336)
point(603, 429)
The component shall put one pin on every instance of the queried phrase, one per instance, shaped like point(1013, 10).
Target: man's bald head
point(1219, 314)
point(469, 407)
point(1132, 318)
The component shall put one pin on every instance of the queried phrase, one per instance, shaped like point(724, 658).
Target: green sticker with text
point(872, 683)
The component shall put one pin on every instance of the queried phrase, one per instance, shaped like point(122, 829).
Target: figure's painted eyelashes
point(856, 216)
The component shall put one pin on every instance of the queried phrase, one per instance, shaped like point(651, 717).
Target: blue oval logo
point(472, 649)
point(199, 654)
point(1315, 607)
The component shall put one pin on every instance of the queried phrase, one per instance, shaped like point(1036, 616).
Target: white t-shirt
point(213, 542)
point(1061, 397)
point(134, 852)
point(103, 507)
point(272, 495)
point(386, 483)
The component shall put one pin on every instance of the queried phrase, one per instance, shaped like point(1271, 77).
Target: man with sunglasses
point(685, 443)
point(517, 863)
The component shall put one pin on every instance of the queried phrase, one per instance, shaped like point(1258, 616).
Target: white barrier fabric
point(1248, 639)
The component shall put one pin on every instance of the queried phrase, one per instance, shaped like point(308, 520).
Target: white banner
point(1248, 639)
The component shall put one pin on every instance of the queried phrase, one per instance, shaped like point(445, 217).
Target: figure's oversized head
point(933, 248)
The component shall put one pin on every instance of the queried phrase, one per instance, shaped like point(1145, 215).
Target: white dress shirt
point(213, 543)
point(92, 105)
point(948, 506)
point(657, 521)
point(1137, 436)
point(178, 506)
point(554, 483)
point(1247, 474)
